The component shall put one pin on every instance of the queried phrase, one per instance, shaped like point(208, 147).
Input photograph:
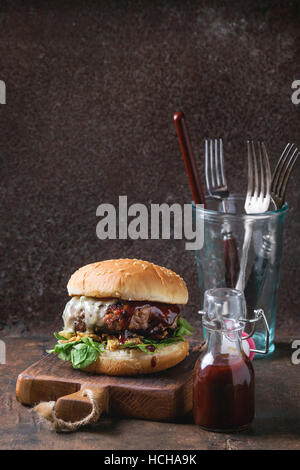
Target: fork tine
point(279, 166)
point(286, 173)
point(262, 172)
point(224, 182)
point(256, 182)
point(214, 168)
point(268, 176)
point(212, 174)
point(250, 187)
point(217, 164)
point(207, 165)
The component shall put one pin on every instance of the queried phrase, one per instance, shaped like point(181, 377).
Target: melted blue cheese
point(93, 312)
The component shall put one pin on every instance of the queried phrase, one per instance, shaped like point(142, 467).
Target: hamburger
point(124, 318)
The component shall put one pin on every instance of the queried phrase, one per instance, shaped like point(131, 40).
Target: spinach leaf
point(100, 347)
point(164, 342)
point(184, 328)
point(142, 346)
point(58, 336)
point(63, 350)
point(81, 353)
point(152, 342)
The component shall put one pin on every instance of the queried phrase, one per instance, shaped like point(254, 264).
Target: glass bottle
point(223, 378)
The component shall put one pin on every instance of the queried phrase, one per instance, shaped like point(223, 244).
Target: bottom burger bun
point(136, 362)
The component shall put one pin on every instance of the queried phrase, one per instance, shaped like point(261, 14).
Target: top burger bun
point(129, 279)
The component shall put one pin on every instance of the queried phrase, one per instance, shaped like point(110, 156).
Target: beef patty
point(145, 318)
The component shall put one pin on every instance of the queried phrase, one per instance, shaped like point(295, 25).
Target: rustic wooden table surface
point(276, 426)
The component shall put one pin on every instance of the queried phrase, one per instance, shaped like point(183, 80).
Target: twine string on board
point(46, 412)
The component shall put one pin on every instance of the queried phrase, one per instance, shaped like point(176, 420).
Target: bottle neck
point(220, 343)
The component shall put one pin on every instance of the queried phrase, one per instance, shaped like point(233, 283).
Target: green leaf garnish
point(58, 336)
point(183, 328)
point(81, 353)
point(143, 347)
point(155, 343)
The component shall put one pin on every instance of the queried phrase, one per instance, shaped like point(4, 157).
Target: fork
point(257, 198)
point(282, 173)
point(214, 170)
point(279, 182)
point(217, 188)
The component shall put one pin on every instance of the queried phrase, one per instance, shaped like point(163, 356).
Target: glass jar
point(264, 256)
point(223, 377)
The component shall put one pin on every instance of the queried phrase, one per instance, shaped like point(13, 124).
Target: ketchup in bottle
point(223, 379)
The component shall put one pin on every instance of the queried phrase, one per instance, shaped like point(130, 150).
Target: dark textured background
point(91, 88)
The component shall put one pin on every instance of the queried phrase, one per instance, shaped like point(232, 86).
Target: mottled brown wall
point(91, 88)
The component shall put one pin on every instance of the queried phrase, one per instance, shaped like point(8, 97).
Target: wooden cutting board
point(162, 396)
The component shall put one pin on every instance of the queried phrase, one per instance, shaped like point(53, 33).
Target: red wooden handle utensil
point(189, 158)
point(229, 244)
point(231, 259)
